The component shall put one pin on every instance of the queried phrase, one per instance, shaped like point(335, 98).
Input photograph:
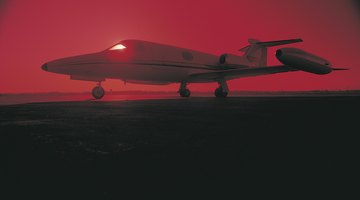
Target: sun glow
point(118, 47)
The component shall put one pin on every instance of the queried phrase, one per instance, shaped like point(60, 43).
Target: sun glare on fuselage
point(118, 47)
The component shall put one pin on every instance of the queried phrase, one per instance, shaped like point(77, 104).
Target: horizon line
point(201, 92)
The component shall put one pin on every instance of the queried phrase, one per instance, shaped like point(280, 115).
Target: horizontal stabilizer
point(254, 42)
point(339, 69)
point(278, 42)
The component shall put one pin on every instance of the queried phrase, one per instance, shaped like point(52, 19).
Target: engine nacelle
point(231, 59)
point(304, 61)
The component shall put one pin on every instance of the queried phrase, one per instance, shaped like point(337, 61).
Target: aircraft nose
point(44, 67)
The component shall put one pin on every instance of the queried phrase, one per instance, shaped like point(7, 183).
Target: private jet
point(143, 62)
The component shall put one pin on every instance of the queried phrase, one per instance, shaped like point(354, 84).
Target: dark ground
point(181, 148)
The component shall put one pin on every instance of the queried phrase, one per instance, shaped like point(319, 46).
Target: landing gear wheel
point(98, 92)
point(185, 93)
point(220, 93)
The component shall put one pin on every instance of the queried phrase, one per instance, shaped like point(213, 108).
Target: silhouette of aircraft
point(144, 62)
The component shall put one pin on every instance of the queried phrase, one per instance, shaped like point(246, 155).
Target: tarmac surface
point(181, 148)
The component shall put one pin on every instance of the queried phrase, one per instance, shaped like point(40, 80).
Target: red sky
point(34, 32)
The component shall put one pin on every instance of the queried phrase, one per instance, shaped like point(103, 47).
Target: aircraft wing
point(238, 73)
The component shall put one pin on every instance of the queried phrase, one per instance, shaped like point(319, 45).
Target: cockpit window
point(118, 47)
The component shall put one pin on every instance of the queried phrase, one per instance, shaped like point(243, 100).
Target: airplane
point(143, 62)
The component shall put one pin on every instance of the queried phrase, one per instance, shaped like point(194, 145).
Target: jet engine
point(304, 61)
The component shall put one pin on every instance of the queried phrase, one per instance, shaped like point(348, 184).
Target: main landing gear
point(220, 92)
point(223, 90)
point(98, 92)
point(183, 91)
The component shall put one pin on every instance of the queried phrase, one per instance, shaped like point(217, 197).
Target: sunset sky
point(33, 32)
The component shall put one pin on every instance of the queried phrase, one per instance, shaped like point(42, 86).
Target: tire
point(98, 92)
point(185, 93)
point(219, 93)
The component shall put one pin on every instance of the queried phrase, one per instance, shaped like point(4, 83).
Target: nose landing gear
point(98, 92)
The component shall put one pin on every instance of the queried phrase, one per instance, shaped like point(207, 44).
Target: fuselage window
point(187, 56)
point(139, 47)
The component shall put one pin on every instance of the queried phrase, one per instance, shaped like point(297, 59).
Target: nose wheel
point(98, 92)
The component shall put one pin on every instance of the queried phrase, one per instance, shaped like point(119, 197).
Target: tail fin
point(256, 51)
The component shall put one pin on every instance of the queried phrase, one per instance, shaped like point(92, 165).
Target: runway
point(201, 146)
